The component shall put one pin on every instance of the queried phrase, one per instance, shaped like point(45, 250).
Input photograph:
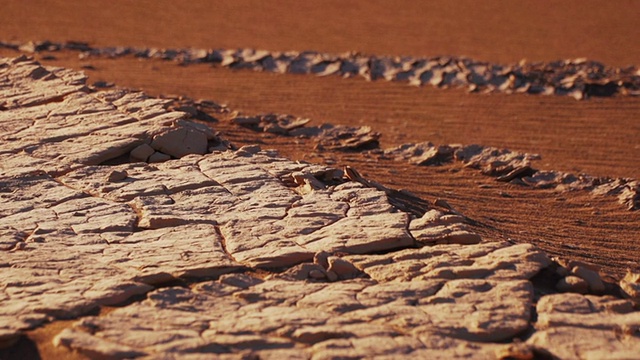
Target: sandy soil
point(597, 136)
point(496, 30)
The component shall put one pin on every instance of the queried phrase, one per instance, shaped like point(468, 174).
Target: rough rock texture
point(51, 124)
point(578, 78)
point(573, 326)
point(630, 285)
point(348, 268)
point(412, 315)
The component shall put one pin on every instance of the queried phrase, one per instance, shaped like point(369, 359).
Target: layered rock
point(247, 254)
point(77, 235)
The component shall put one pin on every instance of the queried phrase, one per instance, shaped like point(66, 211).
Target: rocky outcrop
point(596, 327)
point(515, 167)
point(247, 254)
point(578, 78)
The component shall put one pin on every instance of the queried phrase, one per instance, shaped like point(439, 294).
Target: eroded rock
point(327, 136)
point(305, 319)
point(76, 235)
point(596, 327)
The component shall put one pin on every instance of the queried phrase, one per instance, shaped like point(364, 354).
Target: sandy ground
point(597, 136)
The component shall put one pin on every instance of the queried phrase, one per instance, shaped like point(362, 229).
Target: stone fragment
point(342, 268)
point(303, 271)
point(596, 327)
point(141, 153)
point(180, 141)
point(321, 258)
point(422, 154)
point(435, 227)
point(591, 277)
point(491, 260)
point(317, 274)
point(248, 150)
point(94, 347)
point(116, 176)
point(158, 157)
point(630, 286)
point(242, 281)
point(572, 284)
point(346, 138)
point(521, 351)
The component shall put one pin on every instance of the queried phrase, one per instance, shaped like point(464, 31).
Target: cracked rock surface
point(246, 254)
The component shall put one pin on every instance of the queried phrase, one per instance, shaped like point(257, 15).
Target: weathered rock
point(596, 327)
point(115, 176)
point(435, 227)
point(348, 138)
point(52, 120)
point(578, 78)
point(591, 277)
point(75, 235)
point(573, 284)
point(22, 73)
point(158, 157)
point(494, 260)
point(141, 153)
point(515, 167)
point(333, 137)
point(180, 142)
point(308, 318)
point(342, 268)
point(630, 285)
point(422, 153)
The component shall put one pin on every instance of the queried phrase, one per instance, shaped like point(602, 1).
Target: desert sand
point(473, 236)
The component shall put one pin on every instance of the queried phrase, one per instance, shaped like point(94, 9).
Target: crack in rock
point(353, 281)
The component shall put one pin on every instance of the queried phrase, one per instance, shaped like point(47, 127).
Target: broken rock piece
point(435, 227)
point(596, 327)
point(180, 142)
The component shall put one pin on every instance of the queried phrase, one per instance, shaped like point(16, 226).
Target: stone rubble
point(578, 78)
point(245, 254)
point(327, 136)
point(514, 167)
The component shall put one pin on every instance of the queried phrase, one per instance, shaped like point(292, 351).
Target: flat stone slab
point(247, 254)
point(301, 319)
point(596, 327)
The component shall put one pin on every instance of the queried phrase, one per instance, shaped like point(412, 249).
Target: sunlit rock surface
point(244, 253)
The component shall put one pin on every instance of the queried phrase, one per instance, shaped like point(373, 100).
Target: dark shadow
point(24, 349)
point(601, 90)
